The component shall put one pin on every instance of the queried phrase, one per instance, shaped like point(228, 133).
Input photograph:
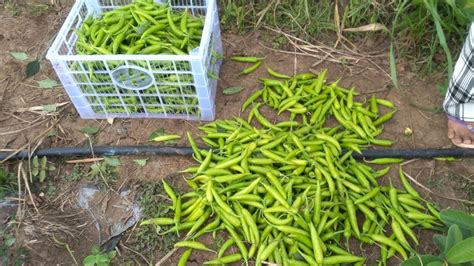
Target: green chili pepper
point(246, 59)
point(251, 68)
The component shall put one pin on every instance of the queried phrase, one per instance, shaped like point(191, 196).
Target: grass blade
point(393, 67)
point(432, 8)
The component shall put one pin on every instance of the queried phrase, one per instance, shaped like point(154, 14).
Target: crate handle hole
point(132, 78)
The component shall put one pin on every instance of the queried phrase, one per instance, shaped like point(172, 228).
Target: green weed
point(436, 182)
point(9, 255)
point(51, 190)
point(13, 8)
point(37, 10)
point(152, 200)
point(428, 32)
point(105, 172)
point(98, 257)
point(7, 182)
point(463, 185)
point(75, 175)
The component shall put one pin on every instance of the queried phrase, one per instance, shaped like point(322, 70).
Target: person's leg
point(459, 102)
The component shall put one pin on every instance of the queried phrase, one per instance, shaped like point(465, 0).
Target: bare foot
point(460, 135)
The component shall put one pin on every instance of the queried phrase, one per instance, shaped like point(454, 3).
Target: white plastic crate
point(162, 86)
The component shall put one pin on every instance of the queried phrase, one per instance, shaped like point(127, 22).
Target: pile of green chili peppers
point(290, 192)
point(142, 27)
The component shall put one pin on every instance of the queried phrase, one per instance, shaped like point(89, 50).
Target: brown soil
point(23, 129)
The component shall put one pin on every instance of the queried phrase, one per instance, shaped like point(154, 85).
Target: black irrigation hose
point(171, 150)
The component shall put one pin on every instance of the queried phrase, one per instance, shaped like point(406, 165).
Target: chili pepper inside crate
point(140, 59)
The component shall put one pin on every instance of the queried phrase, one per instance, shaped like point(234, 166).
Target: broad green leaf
point(141, 162)
point(232, 90)
point(454, 236)
point(47, 83)
point(42, 175)
point(19, 56)
point(35, 168)
point(44, 161)
point(89, 260)
point(102, 259)
point(435, 263)
point(112, 161)
point(89, 130)
point(440, 242)
point(35, 171)
point(32, 68)
point(420, 260)
point(461, 252)
point(464, 220)
point(48, 108)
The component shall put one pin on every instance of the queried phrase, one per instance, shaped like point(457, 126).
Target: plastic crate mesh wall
point(154, 86)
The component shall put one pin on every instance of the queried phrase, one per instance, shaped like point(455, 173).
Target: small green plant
point(7, 182)
point(39, 168)
point(51, 190)
point(75, 175)
point(99, 257)
point(37, 10)
point(456, 248)
point(151, 199)
point(429, 33)
point(105, 171)
point(8, 240)
point(20, 256)
point(9, 254)
point(12, 7)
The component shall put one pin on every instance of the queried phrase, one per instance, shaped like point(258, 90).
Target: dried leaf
point(368, 27)
point(141, 162)
point(89, 130)
point(112, 161)
point(48, 108)
point(47, 83)
point(19, 55)
point(52, 133)
point(232, 90)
